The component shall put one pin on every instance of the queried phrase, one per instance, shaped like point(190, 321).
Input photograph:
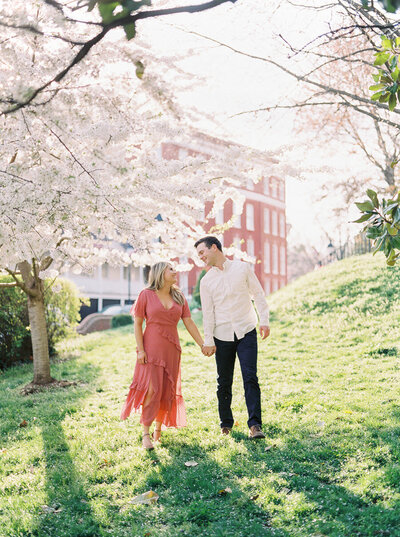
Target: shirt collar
point(225, 265)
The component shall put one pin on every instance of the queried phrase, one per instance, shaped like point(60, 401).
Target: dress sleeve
point(185, 310)
point(139, 307)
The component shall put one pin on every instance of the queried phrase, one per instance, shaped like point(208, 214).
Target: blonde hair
point(156, 282)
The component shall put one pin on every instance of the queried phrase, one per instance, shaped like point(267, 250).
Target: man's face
point(207, 255)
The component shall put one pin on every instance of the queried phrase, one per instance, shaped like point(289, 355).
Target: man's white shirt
point(226, 302)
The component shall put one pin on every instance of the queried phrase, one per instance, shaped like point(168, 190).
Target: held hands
point(264, 332)
point(208, 350)
point(141, 357)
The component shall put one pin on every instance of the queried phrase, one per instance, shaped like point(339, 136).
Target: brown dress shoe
point(256, 432)
point(225, 430)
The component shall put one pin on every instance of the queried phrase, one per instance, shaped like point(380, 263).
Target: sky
point(224, 84)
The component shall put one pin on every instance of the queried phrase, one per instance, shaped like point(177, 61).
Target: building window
point(105, 270)
point(250, 184)
point(274, 188)
point(267, 287)
point(219, 218)
point(238, 219)
point(250, 217)
point(281, 190)
point(237, 243)
point(267, 258)
point(267, 226)
point(266, 186)
point(275, 285)
point(250, 247)
point(282, 252)
point(274, 223)
point(282, 225)
point(274, 259)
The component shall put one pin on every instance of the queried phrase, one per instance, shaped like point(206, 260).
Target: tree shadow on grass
point(307, 472)
point(66, 511)
point(204, 500)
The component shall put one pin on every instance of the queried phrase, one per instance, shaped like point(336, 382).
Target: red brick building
point(261, 228)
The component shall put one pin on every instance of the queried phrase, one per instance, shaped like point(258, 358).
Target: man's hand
point(264, 332)
point(208, 350)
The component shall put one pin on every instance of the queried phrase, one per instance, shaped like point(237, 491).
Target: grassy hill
point(330, 466)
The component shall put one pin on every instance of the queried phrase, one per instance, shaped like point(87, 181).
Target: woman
point(156, 385)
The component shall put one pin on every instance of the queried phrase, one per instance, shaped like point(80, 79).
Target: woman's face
point(170, 275)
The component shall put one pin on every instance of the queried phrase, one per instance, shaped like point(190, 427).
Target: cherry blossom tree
point(81, 170)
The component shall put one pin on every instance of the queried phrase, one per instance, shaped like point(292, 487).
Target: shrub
point(196, 301)
point(62, 303)
point(122, 319)
point(15, 338)
point(62, 314)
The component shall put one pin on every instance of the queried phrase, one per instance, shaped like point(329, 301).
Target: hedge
point(62, 303)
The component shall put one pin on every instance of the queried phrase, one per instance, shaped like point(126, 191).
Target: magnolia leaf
point(23, 423)
point(376, 96)
point(373, 196)
point(381, 58)
point(139, 69)
point(373, 233)
point(395, 74)
point(376, 87)
point(393, 62)
point(384, 98)
point(392, 102)
point(131, 5)
point(386, 43)
point(107, 11)
point(393, 231)
point(91, 5)
point(363, 218)
point(365, 206)
point(130, 31)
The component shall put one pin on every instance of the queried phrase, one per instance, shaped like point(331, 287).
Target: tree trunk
point(40, 344)
point(34, 288)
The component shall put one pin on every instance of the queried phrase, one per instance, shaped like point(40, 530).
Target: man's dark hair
point(209, 241)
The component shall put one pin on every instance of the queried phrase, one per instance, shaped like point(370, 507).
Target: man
point(229, 323)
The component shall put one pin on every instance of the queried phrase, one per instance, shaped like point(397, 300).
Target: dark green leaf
point(365, 206)
point(130, 31)
point(373, 197)
point(392, 102)
point(131, 5)
point(363, 218)
point(107, 11)
point(376, 96)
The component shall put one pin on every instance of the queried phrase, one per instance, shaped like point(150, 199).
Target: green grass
point(329, 375)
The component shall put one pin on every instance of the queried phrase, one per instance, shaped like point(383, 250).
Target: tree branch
point(20, 283)
point(303, 78)
point(85, 49)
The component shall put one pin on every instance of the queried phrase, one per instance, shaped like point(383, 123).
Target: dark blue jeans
point(225, 356)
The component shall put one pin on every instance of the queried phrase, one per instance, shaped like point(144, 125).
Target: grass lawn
point(330, 465)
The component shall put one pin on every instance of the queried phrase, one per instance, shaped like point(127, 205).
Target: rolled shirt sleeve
point(257, 292)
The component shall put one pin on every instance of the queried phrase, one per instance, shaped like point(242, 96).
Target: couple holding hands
point(229, 325)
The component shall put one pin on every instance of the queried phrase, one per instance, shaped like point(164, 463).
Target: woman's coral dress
point(163, 367)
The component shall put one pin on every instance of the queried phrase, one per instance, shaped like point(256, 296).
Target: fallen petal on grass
point(191, 463)
point(145, 498)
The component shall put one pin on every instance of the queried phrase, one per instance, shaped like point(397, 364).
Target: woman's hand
point(141, 357)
